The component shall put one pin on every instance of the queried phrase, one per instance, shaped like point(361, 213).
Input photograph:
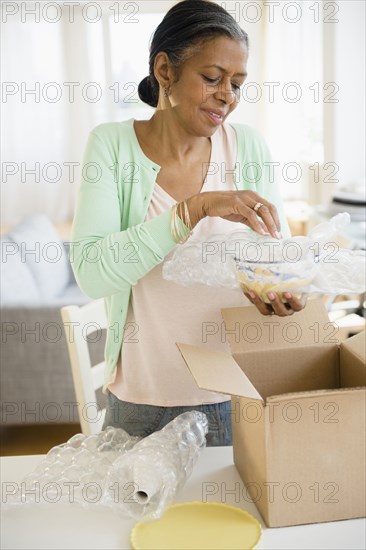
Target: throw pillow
point(42, 251)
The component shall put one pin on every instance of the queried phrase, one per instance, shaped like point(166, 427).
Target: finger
point(268, 213)
point(280, 309)
point(265, 309)
point(274, 213)
point(270, 207)
point(250, 218)
point(264, 230)
point(297, 304)
point(247, 295)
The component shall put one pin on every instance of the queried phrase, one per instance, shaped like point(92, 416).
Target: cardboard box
point(298, 412)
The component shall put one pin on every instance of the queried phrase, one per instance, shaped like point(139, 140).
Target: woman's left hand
point(277, 307)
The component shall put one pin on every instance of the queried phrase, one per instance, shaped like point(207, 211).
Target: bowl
point(277, 277)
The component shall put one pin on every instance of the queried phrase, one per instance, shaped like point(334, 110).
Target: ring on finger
point(257, 206)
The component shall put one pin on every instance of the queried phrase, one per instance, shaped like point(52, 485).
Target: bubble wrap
point(303, 264)
point(134, 477)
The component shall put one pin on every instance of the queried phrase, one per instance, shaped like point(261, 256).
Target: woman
point(150, 185)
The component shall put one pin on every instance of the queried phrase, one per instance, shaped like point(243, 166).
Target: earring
point(166, 92)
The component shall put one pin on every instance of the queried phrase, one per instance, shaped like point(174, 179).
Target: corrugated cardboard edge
point(314, 393)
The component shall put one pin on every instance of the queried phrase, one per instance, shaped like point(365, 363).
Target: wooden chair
point(79, 322)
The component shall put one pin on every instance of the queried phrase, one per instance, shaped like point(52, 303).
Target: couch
point(36, 281)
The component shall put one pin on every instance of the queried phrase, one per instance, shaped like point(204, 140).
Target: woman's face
point(208, 89)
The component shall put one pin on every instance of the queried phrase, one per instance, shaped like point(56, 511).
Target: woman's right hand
point(236, 206)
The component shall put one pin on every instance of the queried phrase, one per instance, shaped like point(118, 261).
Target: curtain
point(66, 70)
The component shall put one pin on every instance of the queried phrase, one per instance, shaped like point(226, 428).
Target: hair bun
point(145, 92)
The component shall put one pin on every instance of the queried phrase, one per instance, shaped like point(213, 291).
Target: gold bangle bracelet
point(177, 211)
point(174, 225)
point(187, 217)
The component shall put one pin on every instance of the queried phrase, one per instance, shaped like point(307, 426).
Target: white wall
point(349, 67)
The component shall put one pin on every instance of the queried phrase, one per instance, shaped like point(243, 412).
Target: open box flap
point(357, 345)
point(353, 359)
point(217, 371)
point(248, 330)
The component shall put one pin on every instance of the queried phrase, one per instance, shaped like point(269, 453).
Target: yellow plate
point(198, 526)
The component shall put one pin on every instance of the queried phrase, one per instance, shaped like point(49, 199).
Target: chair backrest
point(79, 322)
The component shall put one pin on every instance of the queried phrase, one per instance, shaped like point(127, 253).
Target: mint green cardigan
point(112, 247)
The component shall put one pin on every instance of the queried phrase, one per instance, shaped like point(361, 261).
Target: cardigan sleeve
point(104, 259)
point(267, 184)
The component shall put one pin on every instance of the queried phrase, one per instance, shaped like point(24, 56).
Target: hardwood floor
point(34, 439)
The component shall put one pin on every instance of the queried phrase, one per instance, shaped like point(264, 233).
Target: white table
point(68, 526)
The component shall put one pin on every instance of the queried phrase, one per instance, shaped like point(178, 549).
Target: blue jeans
point(143, 420)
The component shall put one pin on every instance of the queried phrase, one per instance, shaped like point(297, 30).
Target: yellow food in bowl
point(263, 287)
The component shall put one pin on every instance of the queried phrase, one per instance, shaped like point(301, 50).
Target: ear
point(163, 70)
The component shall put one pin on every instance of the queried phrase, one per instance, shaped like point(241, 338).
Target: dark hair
point(184, 28)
